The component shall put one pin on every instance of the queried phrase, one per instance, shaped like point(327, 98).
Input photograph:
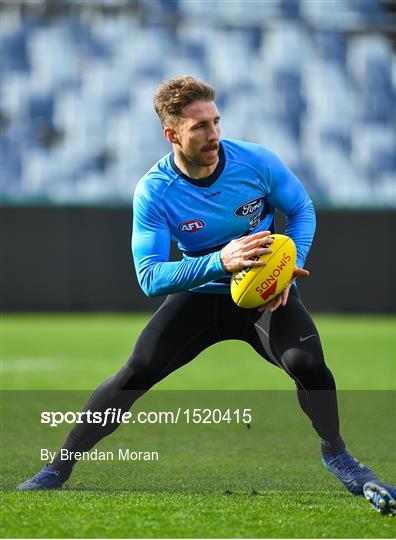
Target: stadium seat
point(331, 46)
point(337, 15)
point(372, 11)
point(14, 56)
point(373, 150)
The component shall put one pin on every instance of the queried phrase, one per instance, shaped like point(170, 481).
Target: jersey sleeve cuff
point(300, 261)
point(217, 264)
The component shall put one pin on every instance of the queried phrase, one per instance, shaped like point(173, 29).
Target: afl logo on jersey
point(250, 207)
point(194, 225)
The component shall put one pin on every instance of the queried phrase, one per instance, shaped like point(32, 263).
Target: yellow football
point(254, 287)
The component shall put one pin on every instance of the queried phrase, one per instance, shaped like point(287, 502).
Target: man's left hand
point(281, 299)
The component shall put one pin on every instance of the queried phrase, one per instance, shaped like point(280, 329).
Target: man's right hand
point(237, 254)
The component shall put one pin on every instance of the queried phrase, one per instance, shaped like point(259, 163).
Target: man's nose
point(213, 132)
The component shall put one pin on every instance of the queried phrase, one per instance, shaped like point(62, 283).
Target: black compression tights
point(185, 325)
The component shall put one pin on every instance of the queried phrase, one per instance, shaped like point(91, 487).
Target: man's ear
point(171, 135)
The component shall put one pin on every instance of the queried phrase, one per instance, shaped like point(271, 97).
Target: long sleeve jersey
point(203, 215)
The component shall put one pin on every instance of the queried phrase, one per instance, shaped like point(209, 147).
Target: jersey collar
point(202, 182)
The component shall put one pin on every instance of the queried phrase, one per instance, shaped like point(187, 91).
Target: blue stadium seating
point(296, 76)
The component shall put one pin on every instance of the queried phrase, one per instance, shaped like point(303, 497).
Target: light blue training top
point(204, 214)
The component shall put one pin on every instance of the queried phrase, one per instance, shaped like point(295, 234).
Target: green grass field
point(211, 481)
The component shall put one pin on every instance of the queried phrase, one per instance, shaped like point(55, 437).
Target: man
point(217, 199)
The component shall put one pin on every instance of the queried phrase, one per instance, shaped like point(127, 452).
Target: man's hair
point(173, 95)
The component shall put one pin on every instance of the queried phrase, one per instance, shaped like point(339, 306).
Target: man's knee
point(148, 355)
point(301, 363)
point(137, 373)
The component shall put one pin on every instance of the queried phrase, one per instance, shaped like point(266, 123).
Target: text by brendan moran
point(123, 454)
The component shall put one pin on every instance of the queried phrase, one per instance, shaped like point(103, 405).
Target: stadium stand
point(311, 80)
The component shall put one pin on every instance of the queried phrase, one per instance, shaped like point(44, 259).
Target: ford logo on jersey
point(193, 225)
point(250, 207)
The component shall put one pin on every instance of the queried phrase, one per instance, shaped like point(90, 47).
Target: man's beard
point(200, 160)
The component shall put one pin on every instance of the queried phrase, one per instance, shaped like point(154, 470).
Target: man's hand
point(281, 299)
point(237, 253)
